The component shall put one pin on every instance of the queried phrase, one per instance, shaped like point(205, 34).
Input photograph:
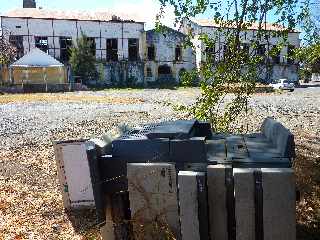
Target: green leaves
point(309, 56)
point(7, 51)
point(82, 60)
point(231, 62)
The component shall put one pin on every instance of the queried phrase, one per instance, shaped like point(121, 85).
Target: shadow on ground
point(313, 85)
point(84, 222)
point(307, 168)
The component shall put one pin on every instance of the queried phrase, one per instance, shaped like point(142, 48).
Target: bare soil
point(30, 202)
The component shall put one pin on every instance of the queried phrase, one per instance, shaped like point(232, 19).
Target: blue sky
point(145, 9)
point(64, 4)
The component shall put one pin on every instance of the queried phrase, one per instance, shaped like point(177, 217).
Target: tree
point(82, 60)
point(310, 23)
point(242, 64)
point(309, 57)
point(309, 53)
point(7, 51)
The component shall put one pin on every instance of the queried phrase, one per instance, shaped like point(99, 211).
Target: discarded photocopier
point(204, 185)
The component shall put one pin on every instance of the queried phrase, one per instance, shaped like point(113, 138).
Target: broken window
point(17, 42)
point(65, 46)
point(92, 43)
point(149, 72)
point(133, 49)
point(151, 53)
point(112, 49)
point(178, 55)
point(41, 43)
point(290, 58)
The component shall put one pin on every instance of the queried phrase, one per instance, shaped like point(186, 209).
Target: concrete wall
point(53, 29)
point(165, 45)
point(123, 73)
point(282, 70)
point(122, 70)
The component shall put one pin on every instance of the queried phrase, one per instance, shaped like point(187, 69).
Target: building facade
point(55, 31)
point(166, 58)
point(278, 67)
point(118, 42)
point(125, 51)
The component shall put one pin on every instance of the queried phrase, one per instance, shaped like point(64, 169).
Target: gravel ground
point(30, 201)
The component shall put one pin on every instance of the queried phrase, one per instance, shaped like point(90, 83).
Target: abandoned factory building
point(276, 67)
point(127, 52)
point(166, 56)
point(118, 42)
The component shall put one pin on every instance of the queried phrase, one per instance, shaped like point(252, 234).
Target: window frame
point(133, 49)
point(42, 47)
point(112, 55)
point(65, 50)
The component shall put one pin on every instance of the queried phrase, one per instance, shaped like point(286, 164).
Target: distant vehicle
point(283, 84)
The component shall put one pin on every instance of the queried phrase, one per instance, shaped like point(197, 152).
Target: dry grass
point(31, 205)
point(61, 97)
point(307, 169)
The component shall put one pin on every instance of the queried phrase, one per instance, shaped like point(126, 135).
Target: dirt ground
point(30, 201)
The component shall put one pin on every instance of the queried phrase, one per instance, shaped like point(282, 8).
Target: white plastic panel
point(78, 175)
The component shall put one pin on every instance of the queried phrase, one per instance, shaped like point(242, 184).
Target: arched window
point(178, 53)
point(164, 70)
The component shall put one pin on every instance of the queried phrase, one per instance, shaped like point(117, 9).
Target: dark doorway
point(164, 70)
point(165, 76)
point(178, 53)
point(133, 48)
point(151, 53)
point(149, 72)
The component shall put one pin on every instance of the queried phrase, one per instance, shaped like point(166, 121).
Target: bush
point(189, 79)
point(82, 60)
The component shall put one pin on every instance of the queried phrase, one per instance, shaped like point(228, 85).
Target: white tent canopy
point(37, 58)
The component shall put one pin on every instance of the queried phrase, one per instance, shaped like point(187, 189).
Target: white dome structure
point(37, 67)
point(37, 58)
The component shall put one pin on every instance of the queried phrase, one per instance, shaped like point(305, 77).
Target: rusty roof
point(103, 16)
point(251, 26)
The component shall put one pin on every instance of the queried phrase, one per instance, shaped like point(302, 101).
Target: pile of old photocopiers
point(191, 145)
